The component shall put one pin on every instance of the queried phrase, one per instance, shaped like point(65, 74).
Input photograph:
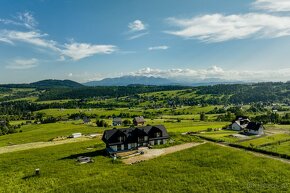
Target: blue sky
point(87, 40)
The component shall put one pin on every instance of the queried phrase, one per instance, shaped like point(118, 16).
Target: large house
point(255, 128)
point(131, 138)
point(139, 121)
point(240, 123)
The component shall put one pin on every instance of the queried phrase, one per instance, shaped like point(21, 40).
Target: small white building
point(239, 124)
point(255, 128)
point(75, 135)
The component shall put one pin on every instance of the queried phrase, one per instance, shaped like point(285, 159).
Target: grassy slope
point(207, 168)
point(45, 132)
point(283, 148)
point(265, 140)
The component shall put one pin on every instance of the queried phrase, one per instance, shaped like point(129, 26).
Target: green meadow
point(206, 168)
point(45, 132)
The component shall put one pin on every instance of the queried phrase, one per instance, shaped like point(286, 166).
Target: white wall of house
point(122, 147)
point(76, 135)
point(257, 132)
point(236, 127)
point(129, 146)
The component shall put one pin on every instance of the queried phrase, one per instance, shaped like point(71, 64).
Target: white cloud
point(74, 50)
point(138, 36)
point(219, 28)
point(77, 51)
point(31, 37)
point(158, 48)
point(3, 39)
point(25, 19)
point(272, 5)
point(138, 29)
point(21, 64)
point(215, 72)
point(136, 25)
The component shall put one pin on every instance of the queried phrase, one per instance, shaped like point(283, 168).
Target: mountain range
point(119, 81)
point(158, 81)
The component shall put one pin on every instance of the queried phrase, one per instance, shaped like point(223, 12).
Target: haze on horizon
point(245, 40)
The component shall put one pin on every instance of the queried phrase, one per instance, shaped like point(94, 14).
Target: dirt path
point(153, 153)
point(35, 145)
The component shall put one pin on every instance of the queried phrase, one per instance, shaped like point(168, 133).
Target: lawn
point(45, 132)
point(282, 148)
point(206, 168)
point(99, 112)
point(265, 140)
point(186, 125)
point(223, 135)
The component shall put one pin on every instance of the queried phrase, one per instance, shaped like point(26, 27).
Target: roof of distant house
point(132, 133)
point(139, 119)
point(254, 126)
point(117, 119)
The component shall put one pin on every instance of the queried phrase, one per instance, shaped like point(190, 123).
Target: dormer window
point(121, 138)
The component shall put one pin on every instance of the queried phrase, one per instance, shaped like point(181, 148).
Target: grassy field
point(282, 148)
point(186, 125)
point(99, 112)
point(45, 132)
point(207, 168)
point(222, 135)
point(265, 140)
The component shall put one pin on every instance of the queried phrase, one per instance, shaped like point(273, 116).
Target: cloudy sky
point(86, 40)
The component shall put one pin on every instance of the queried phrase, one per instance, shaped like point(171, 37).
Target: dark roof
point(86, 119)
point(241, 117)
point(254, 126)
point(117, 119)
point(133, 133)
point(139, 119)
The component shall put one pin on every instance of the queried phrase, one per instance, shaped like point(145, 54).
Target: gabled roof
point(86, 119)
point(133, 133)
point(241, 120)
point(254, 126)
point(139, 119)
point(117, 119)
point(241, 117)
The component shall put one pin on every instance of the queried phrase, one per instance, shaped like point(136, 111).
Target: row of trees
point(6, 128)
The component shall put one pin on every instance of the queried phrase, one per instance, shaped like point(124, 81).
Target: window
point(121, 138)
point(140, 139)
point(157, 134)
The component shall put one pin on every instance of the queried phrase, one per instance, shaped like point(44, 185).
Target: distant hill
point(131, 80)
point(157, 81)
point(50, 83)
point(57, 84)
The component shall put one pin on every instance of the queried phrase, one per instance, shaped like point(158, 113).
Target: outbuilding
point(75, 135)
